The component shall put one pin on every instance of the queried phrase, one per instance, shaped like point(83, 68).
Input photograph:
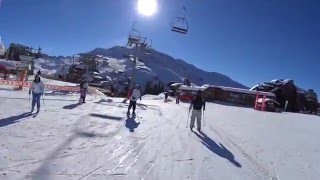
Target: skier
point(196, 105)
point(112, 90)
point(177, 98)
point(166, 97)
point(37, 89)
point(83, 91)
point(133, 99)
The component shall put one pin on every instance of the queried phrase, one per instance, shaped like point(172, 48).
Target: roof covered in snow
point(230, 89)
point(192, 88)
point(8, 64)
point(246, 91)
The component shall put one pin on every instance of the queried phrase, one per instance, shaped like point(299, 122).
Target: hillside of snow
point(155, 67)
point(97, 141)
point(169, 69)
point(53, 66)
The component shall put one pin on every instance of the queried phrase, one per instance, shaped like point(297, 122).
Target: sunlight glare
point(147, 7)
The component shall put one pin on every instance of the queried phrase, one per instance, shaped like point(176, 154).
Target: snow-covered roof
point(280, 81)
point(108, 78)
point(176, 84)
point(231, 89)
point(97, 77)
point(246, 91)
point(254, 87)
point(95, 73)
point(192, 88)
point(9, 64)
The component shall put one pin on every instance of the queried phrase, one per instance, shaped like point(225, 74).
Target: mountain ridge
point(172, 65)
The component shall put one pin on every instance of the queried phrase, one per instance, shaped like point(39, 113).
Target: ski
point(35, 114)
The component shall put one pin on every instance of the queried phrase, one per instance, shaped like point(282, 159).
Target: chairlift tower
point(135, 40)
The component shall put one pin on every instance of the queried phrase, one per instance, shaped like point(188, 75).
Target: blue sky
point(249, 40)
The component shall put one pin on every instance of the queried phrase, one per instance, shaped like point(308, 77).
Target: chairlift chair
point(134, 36)
point(148, 48)
point(180, 24)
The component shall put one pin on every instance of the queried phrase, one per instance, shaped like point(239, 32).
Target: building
point(297, 99)
point(237, 96)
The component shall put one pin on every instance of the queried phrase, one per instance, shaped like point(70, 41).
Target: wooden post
point(285, 106)
point(256, 101)
point(263, 103)
point(22, 76)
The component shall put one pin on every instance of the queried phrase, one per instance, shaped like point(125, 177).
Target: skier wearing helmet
point(196, 105)
point(136, 94)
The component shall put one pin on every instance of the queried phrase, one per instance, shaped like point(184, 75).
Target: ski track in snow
point(96, 141)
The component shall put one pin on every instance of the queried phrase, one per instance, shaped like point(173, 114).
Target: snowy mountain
point(117, 65)
point(169, 69)
point(97, 141)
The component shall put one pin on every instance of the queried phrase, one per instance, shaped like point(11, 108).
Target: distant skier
point(177, 98)
point(37, 89)
point(166, 97)
point(133, 99)
point(39, 72)
point(196, 105)
point(112, 90)
point(83, 91)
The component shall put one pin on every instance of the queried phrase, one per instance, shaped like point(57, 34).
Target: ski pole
point(188, 119)
point(29, 101)
point(203, 119)
point(43, 103)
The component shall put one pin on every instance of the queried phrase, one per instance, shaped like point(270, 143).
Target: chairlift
point(148, 48)
point(180, 24)
point(134, 36)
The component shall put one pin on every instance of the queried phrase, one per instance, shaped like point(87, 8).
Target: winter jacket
point(37, 87)
point(198, 102)
point(135, 94)
point(84, 85)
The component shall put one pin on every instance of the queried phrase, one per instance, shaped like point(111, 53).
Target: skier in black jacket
point(196, 105)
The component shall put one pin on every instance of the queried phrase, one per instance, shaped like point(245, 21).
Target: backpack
point(198, 102)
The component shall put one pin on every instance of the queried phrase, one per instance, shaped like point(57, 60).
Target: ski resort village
point(134, 112)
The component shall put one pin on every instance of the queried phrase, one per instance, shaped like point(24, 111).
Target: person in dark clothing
point(177, 98)
point(135, 95)
point(83, 91)
point(112, 90)
point(197, 104)
point(166, 97)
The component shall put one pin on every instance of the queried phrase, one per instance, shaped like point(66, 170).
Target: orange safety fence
point(47, 86)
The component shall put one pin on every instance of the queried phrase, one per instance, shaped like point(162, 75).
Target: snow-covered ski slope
point(96, 140)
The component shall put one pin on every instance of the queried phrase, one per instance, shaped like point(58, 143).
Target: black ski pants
point(132, 105)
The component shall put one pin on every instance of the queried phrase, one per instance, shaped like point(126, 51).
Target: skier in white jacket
point(133, 99)
point(37, 89)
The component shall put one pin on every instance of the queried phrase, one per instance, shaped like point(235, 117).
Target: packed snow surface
point(96, 140)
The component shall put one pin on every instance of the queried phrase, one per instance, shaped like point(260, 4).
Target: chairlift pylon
point(180, 23)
